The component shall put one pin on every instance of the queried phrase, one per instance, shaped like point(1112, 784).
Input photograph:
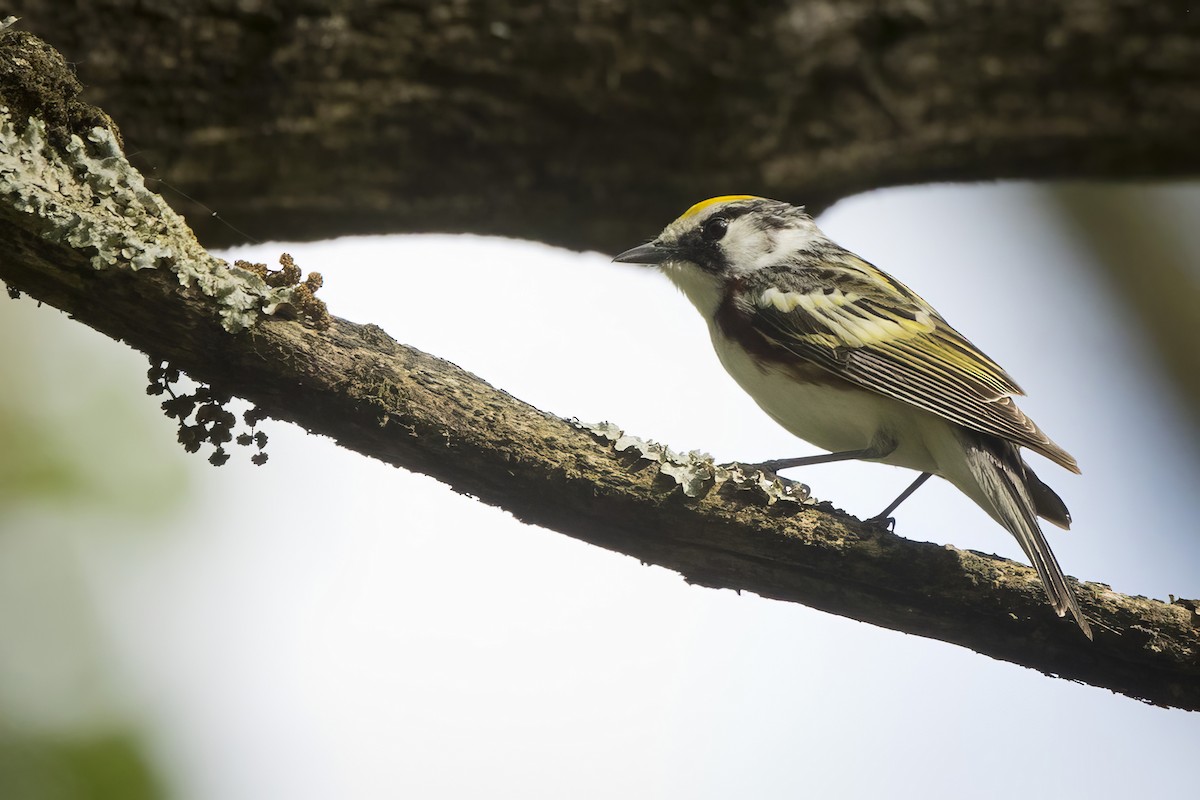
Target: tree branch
point(587, 124)
point(81, 233)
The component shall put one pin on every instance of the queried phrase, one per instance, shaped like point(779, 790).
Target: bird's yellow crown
point(712, 201)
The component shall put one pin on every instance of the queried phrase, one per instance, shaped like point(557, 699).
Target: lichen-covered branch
point(81, 233)
point(586, 123)
point(90, 200)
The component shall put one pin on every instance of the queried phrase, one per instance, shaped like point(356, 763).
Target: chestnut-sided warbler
point(850, 359)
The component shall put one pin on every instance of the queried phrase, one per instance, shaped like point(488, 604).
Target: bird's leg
point(777, 464)
point(885, 517)
point(879, 449)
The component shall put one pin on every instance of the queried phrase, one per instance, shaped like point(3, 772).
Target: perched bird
point(850, 359)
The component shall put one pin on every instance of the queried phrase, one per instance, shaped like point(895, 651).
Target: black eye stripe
point(714, 229)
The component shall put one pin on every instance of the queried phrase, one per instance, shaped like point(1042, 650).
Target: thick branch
point(74, 223)
point(589, 124)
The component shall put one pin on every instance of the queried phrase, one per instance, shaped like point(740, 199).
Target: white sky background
point(326, 626)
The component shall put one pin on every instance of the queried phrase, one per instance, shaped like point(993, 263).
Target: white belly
point(836, 419)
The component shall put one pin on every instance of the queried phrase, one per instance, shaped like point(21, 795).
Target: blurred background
point(327, 626)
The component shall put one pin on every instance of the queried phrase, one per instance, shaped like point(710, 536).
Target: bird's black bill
point(644, 254)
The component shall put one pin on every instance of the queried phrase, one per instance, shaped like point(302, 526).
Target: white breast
point(837, 419)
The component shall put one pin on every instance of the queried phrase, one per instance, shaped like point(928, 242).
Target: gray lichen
point(696, 473)
point(90, 198)
point(768, 485)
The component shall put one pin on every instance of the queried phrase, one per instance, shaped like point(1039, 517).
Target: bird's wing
point(883, 337)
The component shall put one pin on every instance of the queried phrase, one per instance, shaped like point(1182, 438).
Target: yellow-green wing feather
point(880, 335)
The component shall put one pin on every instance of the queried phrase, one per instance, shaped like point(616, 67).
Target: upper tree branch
point(74, 223)
point(589, 123)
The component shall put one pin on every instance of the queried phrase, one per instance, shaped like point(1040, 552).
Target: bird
point(847, 358)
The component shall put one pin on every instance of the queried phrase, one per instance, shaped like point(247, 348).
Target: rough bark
point(72, 241)
point(588, 124)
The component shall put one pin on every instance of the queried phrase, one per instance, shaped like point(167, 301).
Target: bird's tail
point(1015, 497)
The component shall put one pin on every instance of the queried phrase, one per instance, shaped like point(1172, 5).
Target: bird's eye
point(714, 230)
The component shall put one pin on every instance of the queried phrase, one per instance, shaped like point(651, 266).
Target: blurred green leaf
point(77, 431)
point(106, 767)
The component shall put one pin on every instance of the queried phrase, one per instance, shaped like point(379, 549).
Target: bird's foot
point(880, 521)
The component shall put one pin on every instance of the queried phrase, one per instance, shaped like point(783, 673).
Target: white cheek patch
point(786, 241)
point(744, 246)
point(748, 247)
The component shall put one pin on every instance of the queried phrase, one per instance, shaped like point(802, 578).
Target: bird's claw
point(887, 523)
